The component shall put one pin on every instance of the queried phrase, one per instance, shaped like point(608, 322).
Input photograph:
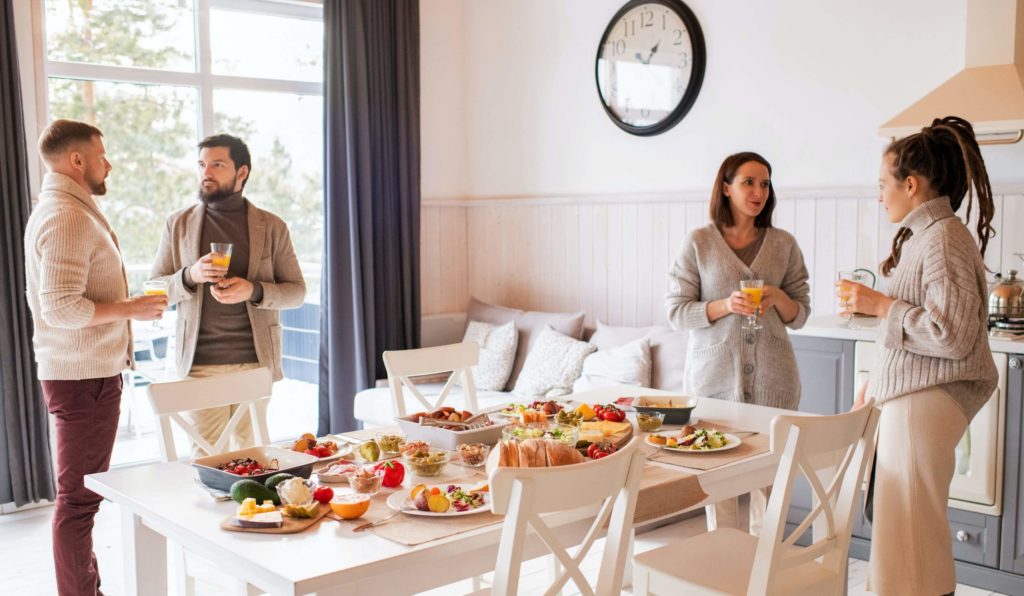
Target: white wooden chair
point(728, 561)
point(457, 359)
point(251, 388)
point(522, 495)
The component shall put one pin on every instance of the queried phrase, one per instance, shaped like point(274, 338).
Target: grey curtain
point(25, 472)
point(370, 294)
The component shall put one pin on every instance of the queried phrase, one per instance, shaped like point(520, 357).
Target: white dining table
point(161, 502)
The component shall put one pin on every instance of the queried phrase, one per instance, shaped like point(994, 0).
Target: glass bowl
point(474, 455)
point(390, 443)
point(366, 481)
point(297, 497)
point(650, 421)
point(561, 432)
point(426, 462)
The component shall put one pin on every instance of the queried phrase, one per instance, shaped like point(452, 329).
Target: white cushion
point(553, 364)
point(373, 406)
point(629, 364)
point(497, 353)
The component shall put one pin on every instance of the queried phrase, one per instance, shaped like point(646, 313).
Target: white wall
point(804, 82)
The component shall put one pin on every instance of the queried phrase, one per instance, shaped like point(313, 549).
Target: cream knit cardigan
point(72, 262)
point(723, 361)
point(935, 335)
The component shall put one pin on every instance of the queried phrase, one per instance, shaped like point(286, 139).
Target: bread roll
point(560, 454)
point(513, 454)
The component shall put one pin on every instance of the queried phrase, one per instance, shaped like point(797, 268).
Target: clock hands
point(654, 51)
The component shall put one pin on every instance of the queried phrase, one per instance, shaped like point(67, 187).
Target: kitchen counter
point(866, 329)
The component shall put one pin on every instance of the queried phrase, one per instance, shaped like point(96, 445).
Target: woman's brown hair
point(948, 156)
point(721, 212)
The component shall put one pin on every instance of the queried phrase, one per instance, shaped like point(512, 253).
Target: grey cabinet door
point(1012, 551)
point(826, 387)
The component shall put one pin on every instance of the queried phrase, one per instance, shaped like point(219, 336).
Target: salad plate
point(400, 501)
point(731, 442)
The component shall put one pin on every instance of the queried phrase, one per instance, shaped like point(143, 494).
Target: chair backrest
point(837, 449)
point(458, 359)
point(250, 387)
point(523, 494)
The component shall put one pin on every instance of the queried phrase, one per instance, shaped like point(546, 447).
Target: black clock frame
point(696, 72)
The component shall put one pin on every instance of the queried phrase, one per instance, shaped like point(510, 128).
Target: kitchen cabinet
point(1012, 553)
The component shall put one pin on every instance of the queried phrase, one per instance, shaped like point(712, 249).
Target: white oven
point(978, 481)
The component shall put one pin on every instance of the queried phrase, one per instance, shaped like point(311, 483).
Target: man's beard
point(97, 188)
point(219, 193)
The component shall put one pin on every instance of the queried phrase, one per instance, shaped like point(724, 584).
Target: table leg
point(145, 557)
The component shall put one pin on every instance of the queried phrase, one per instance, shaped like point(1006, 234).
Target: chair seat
point(719, 562)
point(373, 406)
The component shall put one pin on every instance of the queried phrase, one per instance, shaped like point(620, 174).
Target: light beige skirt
point(911, 545)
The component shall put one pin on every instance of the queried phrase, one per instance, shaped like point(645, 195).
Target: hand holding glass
point(155, 287)
point(752, 289)
point(843, 292)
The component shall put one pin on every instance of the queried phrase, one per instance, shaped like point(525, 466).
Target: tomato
point(600, 454)
point(311, 452)
point(323, 451)
point(599, 450)
point(394, 473)
point(613, 415)
point(324, 494)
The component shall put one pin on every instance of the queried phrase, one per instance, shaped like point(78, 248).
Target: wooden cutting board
point(291, 525)
point(618, 438)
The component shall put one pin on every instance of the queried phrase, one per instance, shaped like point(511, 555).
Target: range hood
point(989, 91)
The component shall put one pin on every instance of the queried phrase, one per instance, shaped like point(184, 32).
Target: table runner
point(749, 447)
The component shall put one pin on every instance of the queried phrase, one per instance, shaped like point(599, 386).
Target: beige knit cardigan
point(72, 262)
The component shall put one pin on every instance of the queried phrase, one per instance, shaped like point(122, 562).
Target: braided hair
point(948, 156)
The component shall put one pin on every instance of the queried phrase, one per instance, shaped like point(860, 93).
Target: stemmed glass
point(844, 293)
point(752, 288)
point(155, 287)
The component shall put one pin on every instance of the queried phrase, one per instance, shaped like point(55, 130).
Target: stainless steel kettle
point(1006, 296)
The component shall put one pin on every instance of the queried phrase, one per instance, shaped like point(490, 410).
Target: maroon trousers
point(86, 415)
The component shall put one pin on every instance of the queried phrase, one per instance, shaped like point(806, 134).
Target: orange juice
point(220, 260)
point(155, 292)
point(754, 294)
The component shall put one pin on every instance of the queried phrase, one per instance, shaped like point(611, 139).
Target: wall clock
point(650, 65)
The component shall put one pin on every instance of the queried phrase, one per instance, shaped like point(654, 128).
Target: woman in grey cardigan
point(724, 361)
point(935, 368)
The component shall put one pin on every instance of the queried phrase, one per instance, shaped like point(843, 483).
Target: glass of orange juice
point(752, 289)
point(155, 287)
point(220, 254)
point(845, 312)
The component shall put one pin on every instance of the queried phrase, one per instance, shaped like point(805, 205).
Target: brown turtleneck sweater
point(225, 332)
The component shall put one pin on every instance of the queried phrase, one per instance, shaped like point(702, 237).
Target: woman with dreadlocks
point(935, 369)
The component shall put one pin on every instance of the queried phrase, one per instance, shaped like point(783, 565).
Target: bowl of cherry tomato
point(609, 412)
point(254, 463)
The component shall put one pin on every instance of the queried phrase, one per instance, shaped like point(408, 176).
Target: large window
point(159, 75)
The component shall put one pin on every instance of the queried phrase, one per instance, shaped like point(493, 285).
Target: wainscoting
point(608, 254)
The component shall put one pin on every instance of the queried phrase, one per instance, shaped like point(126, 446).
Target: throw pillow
point(529, 325)
point(497, 352)
point(668, 350)
point(629, 364)
point(554, 363)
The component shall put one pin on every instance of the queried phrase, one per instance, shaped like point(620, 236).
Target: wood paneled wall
point(608, 255)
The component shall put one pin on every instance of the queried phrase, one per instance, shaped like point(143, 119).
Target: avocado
point(276, 479)
point(242, 489)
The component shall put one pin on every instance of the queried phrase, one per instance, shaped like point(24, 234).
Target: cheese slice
point(270, 519)
point(611, 428)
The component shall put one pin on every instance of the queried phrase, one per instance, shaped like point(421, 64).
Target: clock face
point(650, 65)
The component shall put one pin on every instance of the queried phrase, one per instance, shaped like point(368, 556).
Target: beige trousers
point(211, 422)
point(911, 545)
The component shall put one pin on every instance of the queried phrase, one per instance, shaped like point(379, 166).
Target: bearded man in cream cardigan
point(228, 315)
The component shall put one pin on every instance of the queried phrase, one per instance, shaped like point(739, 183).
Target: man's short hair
point(237, 149)
point(60, 135)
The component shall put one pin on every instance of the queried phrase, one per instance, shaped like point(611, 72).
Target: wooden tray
point(620, 438)
point(291, 525)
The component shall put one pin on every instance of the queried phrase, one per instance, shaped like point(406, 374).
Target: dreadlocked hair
point(948, 156)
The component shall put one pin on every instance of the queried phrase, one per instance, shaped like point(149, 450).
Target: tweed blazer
point(723, 361)
point(272, 263)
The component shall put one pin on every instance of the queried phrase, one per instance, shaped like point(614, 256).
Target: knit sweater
point(72, 262)
point(724, 361)
point(934, 335)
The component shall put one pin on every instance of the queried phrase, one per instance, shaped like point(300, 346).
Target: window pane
point(266, 46)
point(140, 33)
point(150, 133)
point(287, 163)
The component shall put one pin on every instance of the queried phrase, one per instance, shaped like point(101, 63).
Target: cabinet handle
point(962, 536)
point(1015, 363)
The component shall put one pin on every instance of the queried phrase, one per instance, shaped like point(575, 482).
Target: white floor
point(27, 566)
